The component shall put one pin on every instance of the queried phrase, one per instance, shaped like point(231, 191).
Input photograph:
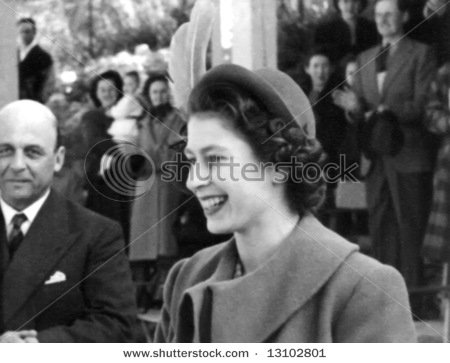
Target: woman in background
point(347, 31)
point(154, 213)
point(283, 277)
point(106, 90)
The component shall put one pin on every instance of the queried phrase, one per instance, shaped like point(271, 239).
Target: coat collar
point(43, 246)
point(252, 307)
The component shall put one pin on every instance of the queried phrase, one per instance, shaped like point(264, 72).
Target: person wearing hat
point(283, 277)
point(347, 31)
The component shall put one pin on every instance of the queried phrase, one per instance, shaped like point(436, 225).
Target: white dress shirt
point(30, 212)
point(25, 49)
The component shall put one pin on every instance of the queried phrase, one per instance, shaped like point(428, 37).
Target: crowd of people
point(370, 93)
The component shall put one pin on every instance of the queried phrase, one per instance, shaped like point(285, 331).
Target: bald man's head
point(35, 112)
point(29, 152)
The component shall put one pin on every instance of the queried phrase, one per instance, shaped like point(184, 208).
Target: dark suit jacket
point(410, 70)
point(34, 71)
point(334, 35)
point(95, 303)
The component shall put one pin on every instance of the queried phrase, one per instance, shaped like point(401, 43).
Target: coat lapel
point(251, 308)
point(396, 62)
point(44, 244)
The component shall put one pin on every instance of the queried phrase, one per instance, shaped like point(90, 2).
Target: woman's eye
point(216, 159)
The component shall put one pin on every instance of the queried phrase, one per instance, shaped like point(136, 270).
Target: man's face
point(389, 18)
point(27, 33)
point(28, 156)
point(349, 8)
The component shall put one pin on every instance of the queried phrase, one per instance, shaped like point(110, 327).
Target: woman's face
point(319, 69)
point(130, 85)
point(233, 188)
point(158, 93)
point(107, 93)
point(349, 8)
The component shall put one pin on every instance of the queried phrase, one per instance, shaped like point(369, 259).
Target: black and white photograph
point(224, 171)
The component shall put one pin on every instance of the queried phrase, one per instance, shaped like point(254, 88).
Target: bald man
point(63, 274)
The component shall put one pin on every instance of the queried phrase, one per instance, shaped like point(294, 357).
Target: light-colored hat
point(274, 89)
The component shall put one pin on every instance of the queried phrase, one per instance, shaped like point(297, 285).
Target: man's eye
point(33, 153)
point(5, 151)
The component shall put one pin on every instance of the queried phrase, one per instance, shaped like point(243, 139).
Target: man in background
point(393, 79)
point(35, 64)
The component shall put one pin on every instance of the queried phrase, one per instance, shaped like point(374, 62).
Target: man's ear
point(59, 158)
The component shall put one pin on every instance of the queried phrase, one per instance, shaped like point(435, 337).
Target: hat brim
point(256, 85)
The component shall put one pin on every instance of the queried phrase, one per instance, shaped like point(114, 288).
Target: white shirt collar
point(31, 212)
point(25, 49)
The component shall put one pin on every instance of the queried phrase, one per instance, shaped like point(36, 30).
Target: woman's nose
point(198, 176)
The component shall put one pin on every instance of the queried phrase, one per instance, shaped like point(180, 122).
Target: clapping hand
point(346, 99)
point(23, 336)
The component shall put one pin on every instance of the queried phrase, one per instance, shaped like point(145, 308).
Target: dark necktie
point(16, 235)
point(381, 59)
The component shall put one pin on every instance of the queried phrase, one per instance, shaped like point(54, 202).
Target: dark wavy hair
point(110, 75)
point(361, 9)
point(152, 78)
point(268, 136)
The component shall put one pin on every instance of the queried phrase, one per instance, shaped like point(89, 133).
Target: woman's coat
point(316, 288)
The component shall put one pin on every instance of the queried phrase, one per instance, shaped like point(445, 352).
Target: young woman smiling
point(283, 277)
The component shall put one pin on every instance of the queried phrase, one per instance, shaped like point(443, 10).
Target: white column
point(8, 53)
point(246, 33)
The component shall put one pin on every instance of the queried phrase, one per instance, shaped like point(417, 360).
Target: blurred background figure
point(347, 31)
point(36, 78)
point(110, 199)
point(331, 126)
point(106, 90)
point(437, 238)
point(153, 214)
point(127, 110)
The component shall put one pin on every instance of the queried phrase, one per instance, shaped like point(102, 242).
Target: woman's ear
point(280, 175)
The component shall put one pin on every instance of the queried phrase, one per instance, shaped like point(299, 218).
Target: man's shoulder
point(81, 216)
point(369, 53)
point(39, 53)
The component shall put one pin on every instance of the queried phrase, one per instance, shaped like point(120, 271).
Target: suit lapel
point(369, 74)
point(4, 253)
point(395, 63)
point(246, 309)
point(44, 244)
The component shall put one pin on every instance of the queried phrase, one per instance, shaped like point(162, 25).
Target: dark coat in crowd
point(34, 71)
point(155, 206)
point(437, 239)
point(317, 289)
point(331, 124)
point(333, 34)
point(69, 279)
